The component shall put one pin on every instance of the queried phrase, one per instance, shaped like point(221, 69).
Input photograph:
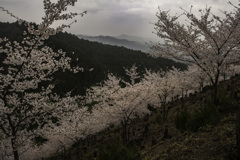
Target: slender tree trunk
point(164, 110)
point(201, 87)
point(182, 98)
point(3, 150)
point(215, 94)
point(235, 95)
point(124, 133)
point(78, 152)
point(15, 151)
point(64, 153)
point(238, 132)
point(215, 89)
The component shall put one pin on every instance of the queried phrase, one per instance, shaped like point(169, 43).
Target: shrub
point(225, 101)
point(182, 120)
point(117, 151)
point(158, 118)
point(208, 114)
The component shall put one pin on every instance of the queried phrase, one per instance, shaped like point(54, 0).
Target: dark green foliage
point(117, 151)
point(11, 30)
point(225, 101)
point(102, 58)
point(159, 118)
point(208, 114)
point(182, 119)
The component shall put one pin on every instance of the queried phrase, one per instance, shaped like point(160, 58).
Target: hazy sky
point(112, 17)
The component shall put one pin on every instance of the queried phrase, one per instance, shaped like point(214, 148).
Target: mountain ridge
point(122, 40)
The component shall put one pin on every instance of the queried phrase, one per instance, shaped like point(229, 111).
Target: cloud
point(24, 9)
point(91, 7)
point(113, 17)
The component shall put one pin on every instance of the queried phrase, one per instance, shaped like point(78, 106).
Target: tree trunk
point(215, 94)
point(3, 150)
point(78, 152)
point(238, 132)
point(215, 89)
point(14, 148)
point(16, 157)
point(124, 133)
point(182, 98)
point(201, 87)
point(235, 95)
point(64, 153)
point(164, 110)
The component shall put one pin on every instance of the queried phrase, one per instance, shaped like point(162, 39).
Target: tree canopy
point(209, 41)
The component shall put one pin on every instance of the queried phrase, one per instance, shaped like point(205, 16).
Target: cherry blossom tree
point(229, 71)
point(161, 86)
point(209, 41)
point(173, 84)
point(132, 73)
point(164, 86)
point(119, 105)
point(26, 109)
point(74, 127)
point(198, 78)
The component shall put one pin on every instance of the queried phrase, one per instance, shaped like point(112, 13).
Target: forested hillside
point(194, 130)
point(99, 58)
point(66, 98)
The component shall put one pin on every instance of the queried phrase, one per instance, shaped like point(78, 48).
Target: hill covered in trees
point(196, 129)
point(172, 114)
point(97, 59)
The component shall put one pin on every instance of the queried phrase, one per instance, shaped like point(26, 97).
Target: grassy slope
point(210, 142)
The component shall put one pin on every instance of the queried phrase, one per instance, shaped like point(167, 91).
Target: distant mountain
point(131, 42)
point(132, 38)
point(136, 38)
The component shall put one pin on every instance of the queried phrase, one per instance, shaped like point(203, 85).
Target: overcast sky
point(112, 17)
